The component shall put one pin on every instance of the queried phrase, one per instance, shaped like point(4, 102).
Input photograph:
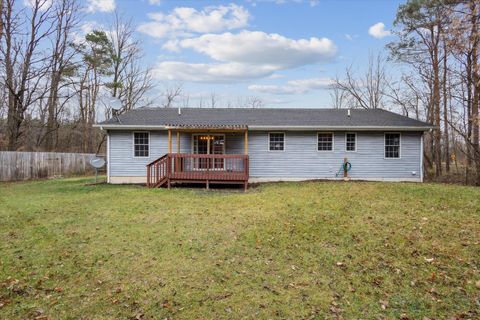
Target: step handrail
point(157, 171)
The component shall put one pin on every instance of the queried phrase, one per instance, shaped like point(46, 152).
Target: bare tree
point(213, 100)
point(407, 95)
point(170, 94)
point(185, 101)
point(131, 82)
point(339, 97)
point(23, 63)
point(1, 21)
point(61, 65)
point(254, 102)
point(419, 28)
point(365, 91)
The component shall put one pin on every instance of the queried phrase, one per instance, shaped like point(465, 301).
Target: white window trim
point(209, 134)
point(333, 141)
point(355, 150)
point(399, 146)
point(284, 141)
point(133, 144)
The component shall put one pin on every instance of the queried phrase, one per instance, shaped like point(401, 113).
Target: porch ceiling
point(208, 128)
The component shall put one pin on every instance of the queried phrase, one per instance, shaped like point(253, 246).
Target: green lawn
point(292, 250)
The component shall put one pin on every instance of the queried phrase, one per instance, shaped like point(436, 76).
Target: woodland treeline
point(54, 80)
point(430, 71)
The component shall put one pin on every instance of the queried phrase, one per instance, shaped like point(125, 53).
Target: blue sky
point(284, 52)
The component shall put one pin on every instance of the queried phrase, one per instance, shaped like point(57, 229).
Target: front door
point(208, 144)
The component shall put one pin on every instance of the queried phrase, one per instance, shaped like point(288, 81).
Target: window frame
point(133, 144)
point(399, 145)
point(347, 133)
point(209, 134)
point(333, 141)
point(284, 141)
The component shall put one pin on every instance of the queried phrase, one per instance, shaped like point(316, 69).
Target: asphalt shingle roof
point(263, 117)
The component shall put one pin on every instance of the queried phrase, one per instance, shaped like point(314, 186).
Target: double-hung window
point(276, 141)
point(350, 141)
point(392, 145)
point(325, 141)
point(141, 144)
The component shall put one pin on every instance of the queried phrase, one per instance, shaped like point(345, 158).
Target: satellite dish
point(97, 163)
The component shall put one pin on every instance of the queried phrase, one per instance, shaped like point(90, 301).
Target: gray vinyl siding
point(124, 164)
point(299, 160)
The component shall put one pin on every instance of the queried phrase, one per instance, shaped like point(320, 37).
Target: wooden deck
point(173, 168)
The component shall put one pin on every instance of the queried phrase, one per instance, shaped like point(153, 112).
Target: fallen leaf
point(383, 304)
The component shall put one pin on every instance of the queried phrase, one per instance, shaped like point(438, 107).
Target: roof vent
point(348, 112)
point(179, 111)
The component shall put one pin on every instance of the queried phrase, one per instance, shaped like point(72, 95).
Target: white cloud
point(185, 21)
point(312, 3)
point(260, 48)
point(43, 5)
point(155, 2)
point(209, 72)
point(378, 31)
point(85, 28)
point(243, 56)
point(294, 86)
point(100, 5)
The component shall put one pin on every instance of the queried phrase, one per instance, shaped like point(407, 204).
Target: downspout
point(421, 156)
point(108, 157)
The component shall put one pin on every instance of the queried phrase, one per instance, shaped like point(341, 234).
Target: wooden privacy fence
point(34, 165)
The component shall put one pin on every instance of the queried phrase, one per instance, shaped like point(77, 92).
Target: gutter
point(129, 127)
point(342, 128)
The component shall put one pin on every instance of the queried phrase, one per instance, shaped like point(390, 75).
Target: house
point(160, 146)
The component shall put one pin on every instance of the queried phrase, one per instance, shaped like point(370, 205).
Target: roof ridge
point(242, 108)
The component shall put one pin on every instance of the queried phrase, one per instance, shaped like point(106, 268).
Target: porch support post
point(169, 141)
point(178, 141)
point(245, 144)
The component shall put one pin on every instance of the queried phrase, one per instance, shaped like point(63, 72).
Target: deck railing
point(208, 168)
point(157, 172)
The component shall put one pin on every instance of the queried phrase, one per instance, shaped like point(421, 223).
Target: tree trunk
point(436, 108)
point(476, 92)
point(52, 113)
point(445, 112)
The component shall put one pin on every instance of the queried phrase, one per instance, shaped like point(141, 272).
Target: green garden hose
point(344, 167)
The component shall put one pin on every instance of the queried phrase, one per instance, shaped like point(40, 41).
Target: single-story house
point(164, 146)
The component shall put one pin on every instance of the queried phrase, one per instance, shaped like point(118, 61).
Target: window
point(392, 145)
point(350, 141)
point(325, 141)
point(277, 141)
point(140, 144)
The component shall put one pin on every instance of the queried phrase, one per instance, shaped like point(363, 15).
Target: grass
point(292, 250)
